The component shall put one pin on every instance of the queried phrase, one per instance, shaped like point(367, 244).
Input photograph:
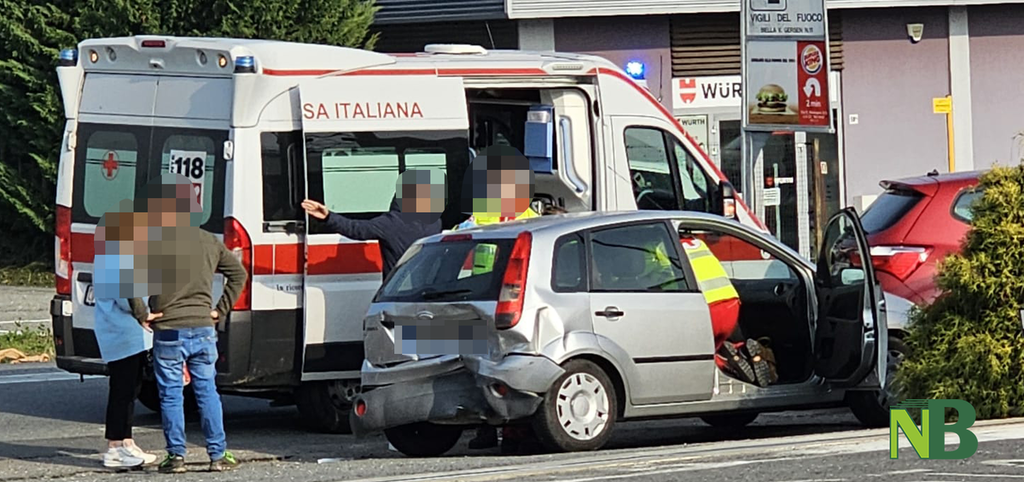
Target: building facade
point(890, 60)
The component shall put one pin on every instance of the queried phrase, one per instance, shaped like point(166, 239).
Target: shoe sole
point(736, 362)
point(760, 367)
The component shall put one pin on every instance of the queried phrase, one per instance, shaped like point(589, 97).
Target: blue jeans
point(197, 347)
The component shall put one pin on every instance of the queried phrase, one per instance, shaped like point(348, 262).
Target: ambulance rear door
point(359, 133)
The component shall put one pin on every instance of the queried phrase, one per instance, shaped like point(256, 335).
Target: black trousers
point(125, 384)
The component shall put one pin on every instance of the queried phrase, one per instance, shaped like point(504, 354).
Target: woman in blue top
point(123, 341)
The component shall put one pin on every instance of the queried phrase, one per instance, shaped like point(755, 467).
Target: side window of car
point(964, 201)
point(650, 169)
point(569, 273)
point(636, 258)
point(693, 181)
point(282, 176)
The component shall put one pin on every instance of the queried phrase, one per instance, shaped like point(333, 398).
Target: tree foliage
point(32, 32)
point(968, 344)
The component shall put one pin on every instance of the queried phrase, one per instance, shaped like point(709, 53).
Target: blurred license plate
point(441, 340)
point(89, 297)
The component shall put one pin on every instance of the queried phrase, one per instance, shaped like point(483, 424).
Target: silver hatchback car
point(560, 322)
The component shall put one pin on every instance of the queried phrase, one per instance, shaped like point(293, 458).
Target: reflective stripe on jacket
point(711, 276)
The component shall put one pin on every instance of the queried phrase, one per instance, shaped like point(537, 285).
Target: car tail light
point(62, 250)
point(513, 285)
point(456, 237)
point(899, 261)
point(237, 241)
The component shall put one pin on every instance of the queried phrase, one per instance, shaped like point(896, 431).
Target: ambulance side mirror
point(727, 201)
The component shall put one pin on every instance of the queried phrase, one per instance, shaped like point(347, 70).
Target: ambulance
point(257, 126)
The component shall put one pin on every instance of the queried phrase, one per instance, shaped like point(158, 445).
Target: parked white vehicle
point(259, 125)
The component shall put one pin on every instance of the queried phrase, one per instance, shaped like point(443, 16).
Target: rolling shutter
point(490, 34)
point(709, 44)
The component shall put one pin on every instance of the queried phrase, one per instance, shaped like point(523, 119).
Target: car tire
point(872, 407)
point(424, 439)
point(730, 420)
point(149, 396)
point(578, 412)
point(325, 406)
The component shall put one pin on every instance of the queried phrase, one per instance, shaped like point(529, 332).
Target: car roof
point(566, 223)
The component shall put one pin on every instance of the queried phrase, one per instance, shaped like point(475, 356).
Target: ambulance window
point(283, 180)
point(194, 157)
point(110, 171)
point(694, 181)
point(359, 179)
point(650, 169)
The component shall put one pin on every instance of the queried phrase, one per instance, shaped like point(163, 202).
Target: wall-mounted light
point(636, 69)
point(915, 31)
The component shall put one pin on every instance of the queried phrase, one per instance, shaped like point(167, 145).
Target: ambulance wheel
point(325, 406)
point(424, 439)
point(730, 420)
point(579, 410)
point(149, 396)
point(872, 407)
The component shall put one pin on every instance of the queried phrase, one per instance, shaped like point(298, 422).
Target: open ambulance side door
point(850, 336)
point(359, 133)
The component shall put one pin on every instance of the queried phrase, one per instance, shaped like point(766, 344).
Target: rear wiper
point(433, 295)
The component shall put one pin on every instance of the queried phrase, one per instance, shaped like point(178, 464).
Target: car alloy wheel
point(583, 406)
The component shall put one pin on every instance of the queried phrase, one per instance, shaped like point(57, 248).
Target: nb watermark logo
point(929, 440)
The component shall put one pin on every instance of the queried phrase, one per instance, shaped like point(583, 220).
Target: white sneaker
point(147, 458)
point(120, 457)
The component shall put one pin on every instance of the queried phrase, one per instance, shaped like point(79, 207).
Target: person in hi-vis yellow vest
point(748, 360)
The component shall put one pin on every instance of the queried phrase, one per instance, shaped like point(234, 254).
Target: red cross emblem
point(110, 166)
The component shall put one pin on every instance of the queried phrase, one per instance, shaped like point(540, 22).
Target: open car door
point(850, 338)
point(359, 134)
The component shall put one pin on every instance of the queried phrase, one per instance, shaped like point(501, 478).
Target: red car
point(916, 223)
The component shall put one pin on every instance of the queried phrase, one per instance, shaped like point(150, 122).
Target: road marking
point(42, 378)
point(1001, 476)
point(797, 447)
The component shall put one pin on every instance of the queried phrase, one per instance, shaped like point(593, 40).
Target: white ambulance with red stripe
point(260, 125)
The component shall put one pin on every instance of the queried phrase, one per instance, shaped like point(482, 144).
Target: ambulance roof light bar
point(68, 58)
point(245, 65)
point(455, 49)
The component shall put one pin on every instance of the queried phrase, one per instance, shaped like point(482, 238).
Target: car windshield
point(469, 270)
point(888, 209)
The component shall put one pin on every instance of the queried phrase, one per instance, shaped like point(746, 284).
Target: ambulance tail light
point(238, 242)
point(154, 44)
point(513, 285)
point(62, 250)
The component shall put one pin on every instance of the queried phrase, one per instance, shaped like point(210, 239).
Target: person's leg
point(725, 316)
point(139, 361)
point(119, 401)
point(168, 358)
point(202, 365)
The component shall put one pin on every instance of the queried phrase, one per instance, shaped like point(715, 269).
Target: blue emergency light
point(540, 135)
point(636, 69)
point(68, 58)
point(245, 65)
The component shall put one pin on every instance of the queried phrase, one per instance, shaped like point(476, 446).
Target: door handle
point(611, 312)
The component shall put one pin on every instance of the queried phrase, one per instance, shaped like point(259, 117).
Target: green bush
point(968, 344)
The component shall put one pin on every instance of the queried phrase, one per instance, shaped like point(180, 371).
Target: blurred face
point(422, 192)
point(502, 183)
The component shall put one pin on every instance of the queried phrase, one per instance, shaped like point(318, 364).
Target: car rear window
point(450, 271)
point(888, 209)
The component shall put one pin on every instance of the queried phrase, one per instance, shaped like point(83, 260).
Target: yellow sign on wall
point(942, 105)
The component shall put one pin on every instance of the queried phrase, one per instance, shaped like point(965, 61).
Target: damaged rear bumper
point(469, 391)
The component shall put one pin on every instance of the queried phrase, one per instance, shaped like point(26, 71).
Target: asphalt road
point(51, 428)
